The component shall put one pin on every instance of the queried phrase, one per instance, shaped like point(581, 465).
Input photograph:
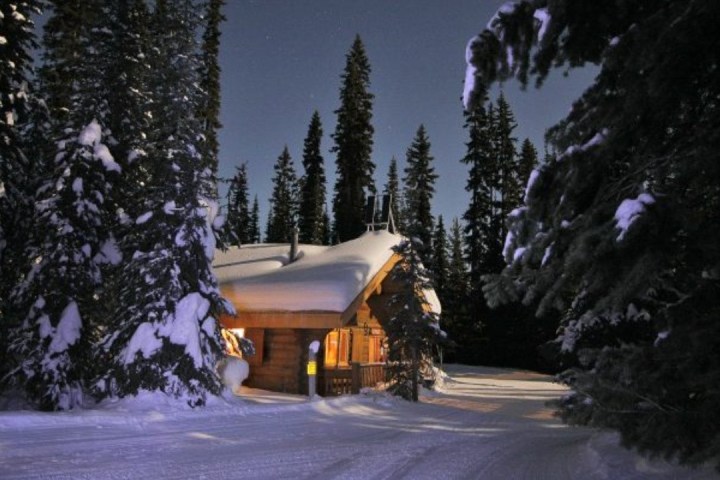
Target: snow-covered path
point(488, 424)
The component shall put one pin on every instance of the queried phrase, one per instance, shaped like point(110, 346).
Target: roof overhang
point(310, 319)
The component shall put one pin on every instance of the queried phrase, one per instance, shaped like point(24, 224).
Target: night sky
point(282, 59)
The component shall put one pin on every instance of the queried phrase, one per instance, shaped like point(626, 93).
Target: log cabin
point(287, 296)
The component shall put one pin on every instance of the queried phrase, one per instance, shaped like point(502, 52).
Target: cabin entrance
point(353, 358)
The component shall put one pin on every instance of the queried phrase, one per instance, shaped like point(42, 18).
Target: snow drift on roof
point(261, 277)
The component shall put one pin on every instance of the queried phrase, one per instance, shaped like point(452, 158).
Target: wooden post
point(312, 368)
point(356, 378)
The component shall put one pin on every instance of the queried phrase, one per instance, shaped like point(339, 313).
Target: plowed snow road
point(488, 424)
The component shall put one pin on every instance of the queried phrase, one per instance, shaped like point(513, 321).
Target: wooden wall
point(280, 363)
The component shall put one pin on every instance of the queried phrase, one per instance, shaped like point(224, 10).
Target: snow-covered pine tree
point(311, 223)
point(527, 162)
point(128, 78)
point(438, 265)
point(18, 165)
point(392, 188)
point(462, 331)
point(284, 200)
point(59, 316)
point(237, 224)
point(353, 144)
point(327, 227)
point(129, 120)
point(480, 241)
point(61, 42)
point(209, 108)
point(164, 335)
point(508, 195)
point(618, 234)
point(413, 330)
point(254, 228)
point(419, 184)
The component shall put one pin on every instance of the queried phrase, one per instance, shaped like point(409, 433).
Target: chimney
point(294, 245)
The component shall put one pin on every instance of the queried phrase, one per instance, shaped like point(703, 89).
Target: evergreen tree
point(283, 203)
point(438, 266)
point(508, 194)
point(129, 104)
point(209, 112)
point(58, 315)
point(353, 145)
point(327, 230)
point(392, 188)
point(238, 222)
point(312, 196)
point(462, 332)
point(128, 122)
point(482, 244)
point(618, 234)
point(413, 330)
point(18, 165)
point(62, 39)
point(168, 293)
point(254, 229)
point(419, 183)
point(527, 162)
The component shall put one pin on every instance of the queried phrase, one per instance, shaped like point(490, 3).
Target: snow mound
point(233, 371)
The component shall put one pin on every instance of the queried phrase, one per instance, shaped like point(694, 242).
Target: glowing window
point(337, 348)
point(375, 350)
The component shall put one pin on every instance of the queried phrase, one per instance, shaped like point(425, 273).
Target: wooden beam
point(305, 319)
point(369, 289)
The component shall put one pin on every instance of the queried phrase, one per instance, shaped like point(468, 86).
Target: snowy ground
point(487, 424)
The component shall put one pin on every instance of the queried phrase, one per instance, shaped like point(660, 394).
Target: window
point(337, 348)
point(376, 352)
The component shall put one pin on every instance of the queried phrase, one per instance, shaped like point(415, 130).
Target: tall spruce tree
point(283, 203)
point(129, 121)
point(353, 145)
point(311, 222)
point(168, 292)
point(254, 228)
point(209, 108)
point(58, 315)
point(392, 188)
point(527, 162)
point(61, 41)
point(480, 239)
point(618, 233)
point(18, 163)
point(508, 194)
point(438, 266)
point(456, 321)
point(238, 222)
point(419, 184)
point(413, 330)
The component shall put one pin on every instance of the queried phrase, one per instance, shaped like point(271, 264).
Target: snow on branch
point(629, 210)
point(502, 49)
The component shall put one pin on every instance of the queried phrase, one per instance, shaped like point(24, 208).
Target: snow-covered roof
point(323, 278)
